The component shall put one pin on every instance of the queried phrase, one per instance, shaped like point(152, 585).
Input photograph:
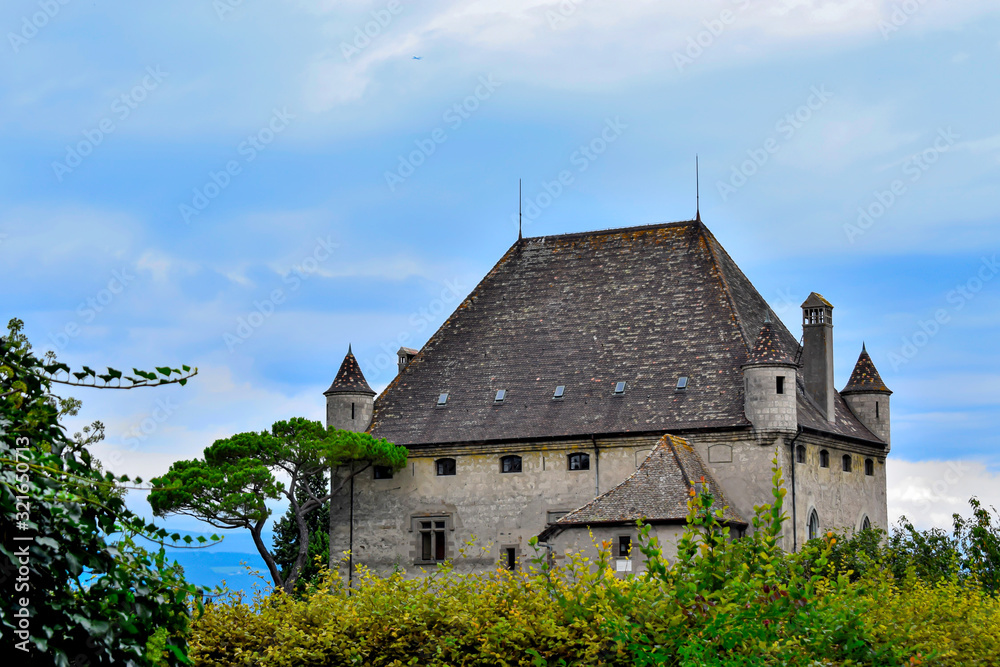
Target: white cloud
point(928, 493)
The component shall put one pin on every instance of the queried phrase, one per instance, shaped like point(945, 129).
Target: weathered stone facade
point(594, 375)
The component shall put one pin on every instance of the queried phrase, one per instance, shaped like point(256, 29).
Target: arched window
point(510, 464)
point(869, 467)
point(813, 525)
point(824, 459)
point(847, 463)
point(579, 461)
point(445, 467)
point(866, 524)
point(800, 454)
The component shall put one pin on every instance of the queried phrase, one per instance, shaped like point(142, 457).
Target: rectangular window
point(619, 387)
point(442, 399)
point(510, 464)
point(682, 383)
point(579, 461)
point(383, 472)
point(560, 391)
point(510, 558)
point(432, 539)
point(501, 394)
point(445, 467)
point(779, 384)
point(624, 546)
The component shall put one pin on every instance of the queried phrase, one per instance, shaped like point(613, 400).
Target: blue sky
point(170, 172)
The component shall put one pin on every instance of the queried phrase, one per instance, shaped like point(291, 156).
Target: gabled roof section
point(768, 349)
point(815, 300)
point(658, 491)
point(350, 379)
point(865, 377)
point(642, 305)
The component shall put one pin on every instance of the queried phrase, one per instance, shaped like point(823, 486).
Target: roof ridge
point(615, 230)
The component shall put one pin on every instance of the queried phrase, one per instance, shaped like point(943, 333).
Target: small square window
point(501, 394)
point(619, 387)
point(682, 383)
point(445, 467)
point(510, 464)
point(383, 472)
point(560, 390)
point(579, 461)
point(624, 546)
point(443, 399)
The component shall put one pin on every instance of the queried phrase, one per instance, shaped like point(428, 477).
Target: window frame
point(824, 458)
point(847, 463)
point(511, 458)
point(584, 458)
point(624, 546)
point(812, 527)
point(439, 528)
point(869, 467)
point(381, 472)
point(800, 453)
point(779, 385)
point(445, 461)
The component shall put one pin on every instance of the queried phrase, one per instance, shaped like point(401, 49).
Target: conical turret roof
point(865, 377)
point(768, 348)
point(350, 379)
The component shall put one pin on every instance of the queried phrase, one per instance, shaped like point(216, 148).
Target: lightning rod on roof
point(697, 191)
point(519, 202)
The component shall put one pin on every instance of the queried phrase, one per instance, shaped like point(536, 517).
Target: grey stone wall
point(350, 412)
point(766, 409)
point(872, 409)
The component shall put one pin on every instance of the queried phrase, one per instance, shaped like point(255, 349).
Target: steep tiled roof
point(658, 491)
point(350, 379)
point(768, 349)
point(865, 377)
point(641, 305)
point(846, 424)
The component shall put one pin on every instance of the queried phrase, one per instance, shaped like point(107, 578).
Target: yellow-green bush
point(720, 603)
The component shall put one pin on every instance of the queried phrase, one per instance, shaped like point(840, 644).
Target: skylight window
point(619, 387)
point(501, 394)
point(443, 399)
point(560, 390)
point(682, 383)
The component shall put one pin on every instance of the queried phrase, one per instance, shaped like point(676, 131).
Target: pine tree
point(286, 536)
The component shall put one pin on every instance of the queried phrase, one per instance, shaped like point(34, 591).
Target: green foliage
point(286, 537)
point(230, 486)
point(720, 602)
point(77, 589)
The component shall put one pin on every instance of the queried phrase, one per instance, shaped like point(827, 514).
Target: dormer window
point(442, 399)
point(619, 388)
point(560, 390)
point(501, 394)
point(682, 383)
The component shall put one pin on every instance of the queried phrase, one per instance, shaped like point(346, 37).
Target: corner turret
point(350, 402)
point(769, 384)
point(868, 397)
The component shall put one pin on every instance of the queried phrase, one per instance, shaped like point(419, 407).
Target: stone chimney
point(817, 353)
point(406, 355)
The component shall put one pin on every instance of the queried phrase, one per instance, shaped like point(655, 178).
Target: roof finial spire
point(697, 190)
point(767, 317)
point(349, 349)
point(519, 202)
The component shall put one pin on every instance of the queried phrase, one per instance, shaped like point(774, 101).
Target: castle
point(594, 378)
